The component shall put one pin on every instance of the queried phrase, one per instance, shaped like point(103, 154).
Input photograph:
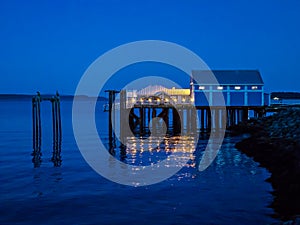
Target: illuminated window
point(254, 87)
point(237, 88)
point(220, 88)
point(201, 87)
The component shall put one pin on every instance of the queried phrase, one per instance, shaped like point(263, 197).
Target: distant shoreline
point(63, 97)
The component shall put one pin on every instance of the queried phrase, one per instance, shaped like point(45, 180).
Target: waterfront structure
point(238, 87)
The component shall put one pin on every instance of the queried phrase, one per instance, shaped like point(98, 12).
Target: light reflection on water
point(147, 151)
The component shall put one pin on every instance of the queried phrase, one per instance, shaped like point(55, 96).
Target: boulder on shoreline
point(275, 144)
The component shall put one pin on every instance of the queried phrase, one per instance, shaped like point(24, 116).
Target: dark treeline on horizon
point(286, 95)
point(63, 97)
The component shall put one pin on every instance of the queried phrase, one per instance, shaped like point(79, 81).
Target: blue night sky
point(47, 45)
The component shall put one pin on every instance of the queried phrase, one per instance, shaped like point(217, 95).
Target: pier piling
point(37, 129)
point(111, 114)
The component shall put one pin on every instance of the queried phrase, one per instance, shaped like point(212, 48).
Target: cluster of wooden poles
point(187, 118)
point(37, 129)
point(140, 117)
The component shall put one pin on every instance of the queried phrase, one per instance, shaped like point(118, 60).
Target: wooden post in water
point(233, 116)
point(149, 117)
point(166, 118)
point(54, 122)
point(181, 118)
point(209, 116)
point(124, 117)
point(193, 120)
point(36, 130)
point(141, 121)
point(245, 115)
point(241, 115)
point(59, 119)
point(110, 103)
point(111, 99)
point(202, 121)
point(176, 122)
point(57, 130)
point(145, 119)
point(224, 119)
point(131, 119)
point(188, 119)
point(33, 123)
point(217, 119)
point(153, 115)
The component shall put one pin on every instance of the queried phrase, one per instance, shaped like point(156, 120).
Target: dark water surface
point(231, 191)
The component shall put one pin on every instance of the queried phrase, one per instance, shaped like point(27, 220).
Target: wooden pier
point(37, 129)
point(179, 119)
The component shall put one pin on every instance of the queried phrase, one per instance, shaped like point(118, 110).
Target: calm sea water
point(231, 191)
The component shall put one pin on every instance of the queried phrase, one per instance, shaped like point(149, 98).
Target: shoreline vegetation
point(274, 142)
point(62, 97)
point(285, 95)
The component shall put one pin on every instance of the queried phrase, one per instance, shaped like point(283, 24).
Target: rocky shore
point(275, 144)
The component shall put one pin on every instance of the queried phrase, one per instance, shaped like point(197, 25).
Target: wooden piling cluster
point(222, 118)
point(37, 128)
point(186, 118)
point(236, 115)
point(176, 119)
